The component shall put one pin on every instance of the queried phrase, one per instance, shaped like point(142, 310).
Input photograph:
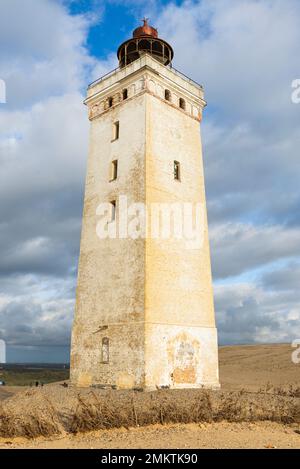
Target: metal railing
point(108, 74)
point(116, 70)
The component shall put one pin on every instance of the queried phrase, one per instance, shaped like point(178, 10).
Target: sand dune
point(250, 368)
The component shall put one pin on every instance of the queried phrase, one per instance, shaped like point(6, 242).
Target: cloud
point(37, 323)
point(43, 148)
point(251, 128)
point(285, 279)
point(36, 310)
point(44, 51)
point(249, 314)
point(234, 48)
point(42, 154)
point(44, 136)
point(243, 51)
point(240, 247)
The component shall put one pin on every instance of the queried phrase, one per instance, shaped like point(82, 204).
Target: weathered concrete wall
point(181, 356)
point(179, 296)
point(151, 298)
point(111, 277)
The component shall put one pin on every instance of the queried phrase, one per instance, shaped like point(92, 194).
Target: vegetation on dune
point(55, 410)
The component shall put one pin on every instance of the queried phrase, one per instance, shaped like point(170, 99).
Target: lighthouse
point(144, 315)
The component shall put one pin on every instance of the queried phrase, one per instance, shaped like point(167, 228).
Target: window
point(113, 210)
point(116, 130)
point(110, 102)
point(182, 103)
point(176, 170)
point(167, 95)
point(125, 94)
point(105, 350)
point(114, 170)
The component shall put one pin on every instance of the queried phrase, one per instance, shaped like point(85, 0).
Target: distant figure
point(36, 384)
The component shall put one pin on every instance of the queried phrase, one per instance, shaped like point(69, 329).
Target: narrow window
point(182, 103)
point(177, 170)
point(167, 95)
point(125, 94)
point(116, 130)
point(114, 170)
point(113, 210)
point(110, 102)
point(105, 350)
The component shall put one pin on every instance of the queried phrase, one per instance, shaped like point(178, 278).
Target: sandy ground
point(241, 367)
point(8, 391)
point(252, 367)
point(263, 435)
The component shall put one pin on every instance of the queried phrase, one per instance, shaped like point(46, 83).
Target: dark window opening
point(144, 44)
point(176, 170)
point(125, 94)
point(116, 133)
point(110, 102)
point(157, 48)
point(182, 103)
point(114, 170)
point(167, 95)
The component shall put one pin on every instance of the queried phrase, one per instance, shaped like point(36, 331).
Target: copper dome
point(145, 30)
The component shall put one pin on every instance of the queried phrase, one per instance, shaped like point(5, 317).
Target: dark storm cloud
point(31, 324)
point(249, 314)
point(42, 235)
point(242, 323)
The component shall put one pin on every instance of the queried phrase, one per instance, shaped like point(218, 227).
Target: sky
point(246, 55)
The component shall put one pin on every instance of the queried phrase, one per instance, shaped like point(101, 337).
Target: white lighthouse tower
point(144, 309)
